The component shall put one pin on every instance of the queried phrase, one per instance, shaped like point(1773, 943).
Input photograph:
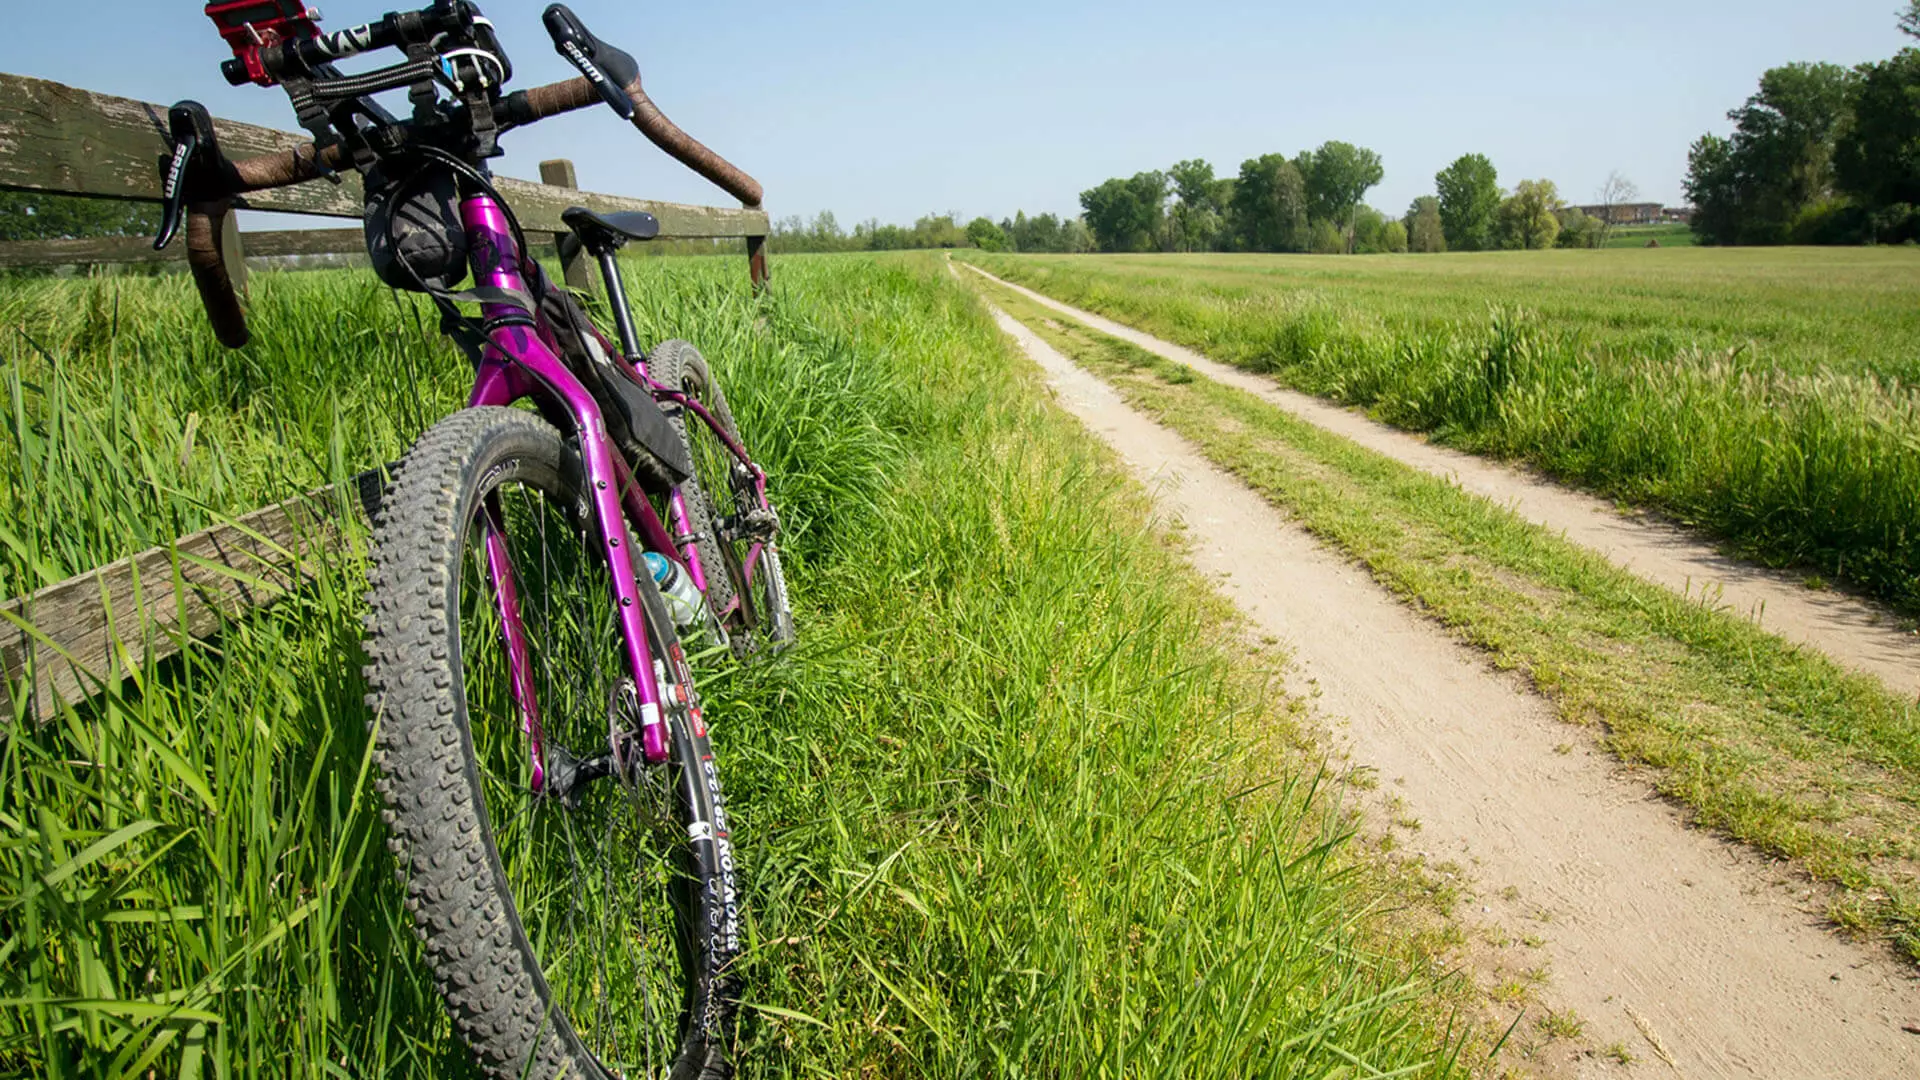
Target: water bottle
point(684, 601)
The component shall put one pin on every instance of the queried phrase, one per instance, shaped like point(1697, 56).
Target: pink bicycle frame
point(740, 454)
point(522, 360)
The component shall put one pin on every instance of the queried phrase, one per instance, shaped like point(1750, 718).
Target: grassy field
point(1766, 395)
point(1774, 745)
point(1018, 806)
point(1636, 236)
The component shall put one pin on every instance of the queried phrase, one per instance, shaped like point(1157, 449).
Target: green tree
point(938, 231)
point(1910, 19)
point(1785, 134)
point(790, 234)
point(1779, 161)
point(1270, 205)
point(1193, 182)
point(1579, 229)
point(889, 238)
point(1197, 211)
point(1839, 220)
point(1038, 233)
point(1048, 233)
point(1877, 155)
point(1713, 187)
point(34, 215)
point(1124, 215)
point(1340, 176)
point(1325, 238)
point(1528, 217)
point(1424, 231)
point(1075, 237)
point(1113, 214)
point(825, 234)
point(1223, 190)
point(1150, 188)
point(1469, 202)
point(985, 235)
point(1369, 231)
point(1393, 238)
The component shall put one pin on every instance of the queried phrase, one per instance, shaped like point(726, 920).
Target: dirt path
point(1682, 949)
point(1853, 632)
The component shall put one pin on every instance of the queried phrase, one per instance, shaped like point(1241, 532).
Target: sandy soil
point(1691, 953)
point(1854, 632)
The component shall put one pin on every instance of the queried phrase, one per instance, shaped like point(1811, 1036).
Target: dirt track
point(1855, 633)
point(1689, 952)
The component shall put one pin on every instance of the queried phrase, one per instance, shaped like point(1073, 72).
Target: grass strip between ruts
point(1765, 396)
point(1773, 744)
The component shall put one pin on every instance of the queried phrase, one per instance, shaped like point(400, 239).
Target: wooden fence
point(68, 141)
point(67, 640)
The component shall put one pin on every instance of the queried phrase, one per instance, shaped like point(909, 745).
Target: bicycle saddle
point(600, 233)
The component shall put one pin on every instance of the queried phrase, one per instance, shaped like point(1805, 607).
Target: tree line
point(1044, 232)
point(1314, 202)
point(38, 215)
point(824, 234)
point(1310, 202)
point(1820, 154)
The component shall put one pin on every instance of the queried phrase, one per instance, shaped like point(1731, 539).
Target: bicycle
point(546, 767)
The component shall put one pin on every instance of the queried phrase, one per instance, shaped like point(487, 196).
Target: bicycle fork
point(517, 364)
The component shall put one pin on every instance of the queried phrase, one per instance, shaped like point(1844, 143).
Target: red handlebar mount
point(249, 26)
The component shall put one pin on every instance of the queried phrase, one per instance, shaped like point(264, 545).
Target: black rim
point(769, 594)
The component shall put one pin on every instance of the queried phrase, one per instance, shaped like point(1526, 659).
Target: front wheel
point(579, 914)
point(734, 524)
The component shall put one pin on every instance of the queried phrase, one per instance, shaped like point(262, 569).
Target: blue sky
point(891, 110)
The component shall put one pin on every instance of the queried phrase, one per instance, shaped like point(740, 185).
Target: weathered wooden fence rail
point(130, 250)
point(68, 141)
point(63, 642)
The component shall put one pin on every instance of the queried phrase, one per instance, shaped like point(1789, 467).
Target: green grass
point(1017, 806)
point(1636, 236)
point(1774, 745)
point(1765, 395)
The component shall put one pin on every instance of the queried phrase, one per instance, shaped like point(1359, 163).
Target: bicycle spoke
point(584, 871)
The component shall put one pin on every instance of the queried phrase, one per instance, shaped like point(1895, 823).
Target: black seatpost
point(617, 299)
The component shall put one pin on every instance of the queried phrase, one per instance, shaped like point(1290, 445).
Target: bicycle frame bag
point(635, 422)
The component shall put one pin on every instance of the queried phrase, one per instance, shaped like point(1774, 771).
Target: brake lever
point(190, 127)
point(607, 68)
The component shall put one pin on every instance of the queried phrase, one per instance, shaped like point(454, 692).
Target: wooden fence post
point(757, 262)
point(577, 267)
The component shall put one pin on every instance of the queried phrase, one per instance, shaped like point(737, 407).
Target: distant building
point(1640, 213)
point(1681, 214)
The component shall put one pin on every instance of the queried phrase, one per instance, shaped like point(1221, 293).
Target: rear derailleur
point(757, 525)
